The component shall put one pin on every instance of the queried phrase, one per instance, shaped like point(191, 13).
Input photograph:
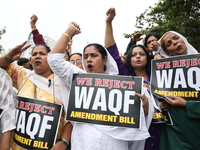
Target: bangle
point(67, 36)
point(6, 59)
point(33, 26)
point(64, 141)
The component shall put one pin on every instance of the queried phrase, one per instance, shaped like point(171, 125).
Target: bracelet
point(8, 61)
point(64, 141)
point(67, 36)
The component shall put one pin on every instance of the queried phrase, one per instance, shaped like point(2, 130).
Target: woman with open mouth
point(96, 59)
point(183, 134)
point(37, 84)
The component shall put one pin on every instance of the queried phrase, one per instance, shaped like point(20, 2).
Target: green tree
point(2, 31)
point(182, 16)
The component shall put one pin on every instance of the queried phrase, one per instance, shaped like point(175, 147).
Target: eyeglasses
point(149, 42)
point(78, 62)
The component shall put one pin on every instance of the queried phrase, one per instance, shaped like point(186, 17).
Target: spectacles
point(78, 62)
point(149, 42)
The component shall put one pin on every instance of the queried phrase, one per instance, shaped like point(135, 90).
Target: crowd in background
point(32, 78)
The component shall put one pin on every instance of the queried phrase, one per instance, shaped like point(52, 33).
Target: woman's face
point(151, 43)
point(139, 58)
point(76, 60)
point(39, 60)
point(93, 61)
point(173, 44)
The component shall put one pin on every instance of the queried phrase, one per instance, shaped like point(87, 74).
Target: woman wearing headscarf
point(137, 63)
point(184, 133)
point(168, 48)
point(96, 59)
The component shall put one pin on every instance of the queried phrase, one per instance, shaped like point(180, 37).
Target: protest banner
point(105, 99)
point(37, 123)
point(176, 76)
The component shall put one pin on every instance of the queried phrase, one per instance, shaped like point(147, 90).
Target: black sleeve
point(130, 44)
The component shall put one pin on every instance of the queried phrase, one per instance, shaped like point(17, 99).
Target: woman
point(150, 42)
point(173, 44)
point(96, 59)
point(137, 63)
point(183, 134)
point(76, 59)
point(112, 48)
point(7, 110)
point(36, 84)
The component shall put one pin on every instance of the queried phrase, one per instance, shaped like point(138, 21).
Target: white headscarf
point(111, 65)
point(122, 133)
point(190, 48)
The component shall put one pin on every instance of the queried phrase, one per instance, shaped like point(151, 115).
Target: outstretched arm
point(110, 42)
point(109, 38)
point(61, 44)
point(37, 37)
point(33, 21)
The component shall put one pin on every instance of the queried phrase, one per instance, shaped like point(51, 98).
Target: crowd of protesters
point(48, 74)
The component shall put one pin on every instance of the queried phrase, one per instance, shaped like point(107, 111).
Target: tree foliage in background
point(2, 31)
point(182, 16)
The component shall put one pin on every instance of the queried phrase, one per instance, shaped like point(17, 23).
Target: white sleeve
point(7, 95)
point(62, 68)
point(151, 106)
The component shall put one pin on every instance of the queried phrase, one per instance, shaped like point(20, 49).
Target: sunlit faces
point(93, 60)
point(76, 60)
point(39, 60)
point(139, 58)
point(150, 41)
point(173, 45)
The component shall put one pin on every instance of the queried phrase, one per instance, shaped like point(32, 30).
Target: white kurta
point(7, 117)
point(89, 136)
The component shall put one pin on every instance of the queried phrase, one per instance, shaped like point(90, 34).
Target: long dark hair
point(157, 35)
point(127, 61)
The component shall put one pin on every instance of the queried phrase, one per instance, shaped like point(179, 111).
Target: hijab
point(111, 65)
point(190, 48)
point(122, 133)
